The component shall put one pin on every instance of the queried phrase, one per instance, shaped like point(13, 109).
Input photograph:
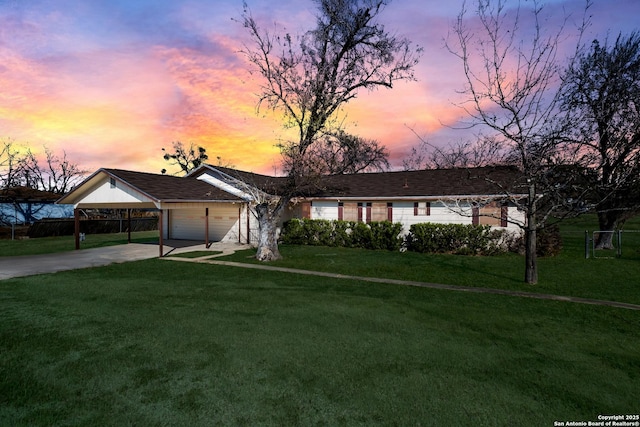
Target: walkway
point(523, 294)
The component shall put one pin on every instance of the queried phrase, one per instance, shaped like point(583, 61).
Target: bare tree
point(470, 154)
point(602, 93)
point(512, 74)
point(10, 160)
point(58, 174)
point(310, 77)
point(336, 154)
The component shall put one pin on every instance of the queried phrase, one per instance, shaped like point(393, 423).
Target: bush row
point(458, 239)
point(427, 237)
point(348, 234)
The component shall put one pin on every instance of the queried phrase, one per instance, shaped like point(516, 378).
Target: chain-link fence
point(622, 243)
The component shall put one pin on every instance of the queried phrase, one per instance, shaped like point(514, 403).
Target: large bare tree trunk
point(531, 237)
point(268, 217)
point(607, 222)
point(531, 258)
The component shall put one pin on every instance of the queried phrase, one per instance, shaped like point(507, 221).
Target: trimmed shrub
point(455, 239)
point(349, 234)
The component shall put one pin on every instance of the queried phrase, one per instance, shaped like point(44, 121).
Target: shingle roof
point(496, 180)
point(167, 187)
point(429, 183)
point(26, 194)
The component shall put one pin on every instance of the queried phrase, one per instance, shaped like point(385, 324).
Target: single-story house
point(216, 204)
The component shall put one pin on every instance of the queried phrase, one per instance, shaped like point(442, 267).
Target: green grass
point(47, 245)
point(159, 342)
point(568, 274)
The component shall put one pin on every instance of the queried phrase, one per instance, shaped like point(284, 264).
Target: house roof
point(155, 186)
point(168, 187)
point(425, 183)
point(26, 195)
point(433, 183)
point(495, 180)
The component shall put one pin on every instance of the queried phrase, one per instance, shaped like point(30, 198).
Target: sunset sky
point(113, 82)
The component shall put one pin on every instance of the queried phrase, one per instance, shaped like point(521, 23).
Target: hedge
point(349, 234)
point(456, 239)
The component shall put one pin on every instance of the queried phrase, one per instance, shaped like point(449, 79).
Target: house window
point(422, 208)
point(112, 182)
point(364, 212)
point(493, 214)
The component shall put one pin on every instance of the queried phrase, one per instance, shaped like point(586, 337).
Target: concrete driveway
point(18, 266)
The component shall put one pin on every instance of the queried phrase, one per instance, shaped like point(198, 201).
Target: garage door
point(189, 224)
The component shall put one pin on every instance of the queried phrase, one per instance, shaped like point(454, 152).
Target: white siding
point(403, 212)
point(106, 193)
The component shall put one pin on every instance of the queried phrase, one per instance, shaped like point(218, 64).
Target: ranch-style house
point(215, 204)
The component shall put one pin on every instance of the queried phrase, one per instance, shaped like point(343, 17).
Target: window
point(422, 208)
point(493, 214)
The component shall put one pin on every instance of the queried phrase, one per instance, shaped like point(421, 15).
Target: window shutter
point(504, 215)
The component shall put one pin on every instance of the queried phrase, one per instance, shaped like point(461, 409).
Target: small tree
point(602, 93)
point(511, 73)
point(187, 158)
point(309, 78)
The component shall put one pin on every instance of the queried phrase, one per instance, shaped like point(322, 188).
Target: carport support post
point(160, 231)
point(76, 227)
point(206, 228)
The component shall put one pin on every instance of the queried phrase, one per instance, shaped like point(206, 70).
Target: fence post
point(586, 244)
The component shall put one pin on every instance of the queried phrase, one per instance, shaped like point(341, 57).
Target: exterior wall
point(107, 192)
point(404, 212)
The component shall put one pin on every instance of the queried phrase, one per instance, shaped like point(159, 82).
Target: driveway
point(18, 266)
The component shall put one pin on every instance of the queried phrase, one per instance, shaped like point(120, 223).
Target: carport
point(188, 208)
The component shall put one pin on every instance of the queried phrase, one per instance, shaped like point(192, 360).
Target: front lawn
point(161, 342)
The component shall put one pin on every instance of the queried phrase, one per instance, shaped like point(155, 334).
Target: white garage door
point(189, 224)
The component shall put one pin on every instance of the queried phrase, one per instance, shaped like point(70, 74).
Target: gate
point(631, 240)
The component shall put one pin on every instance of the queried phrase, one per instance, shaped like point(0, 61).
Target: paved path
point(523, 294)
point(19, 266)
